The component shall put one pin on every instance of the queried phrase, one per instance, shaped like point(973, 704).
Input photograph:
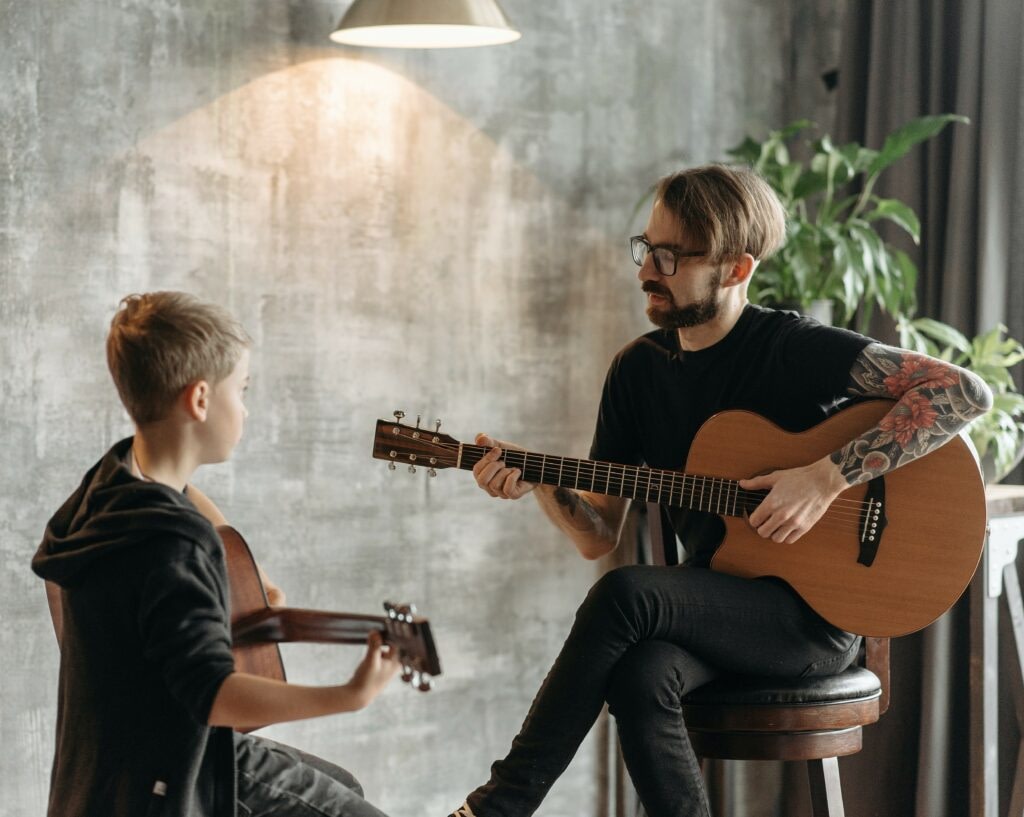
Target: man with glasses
point(646, 635)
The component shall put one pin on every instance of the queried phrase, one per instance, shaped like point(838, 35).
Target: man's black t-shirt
point(789, 369)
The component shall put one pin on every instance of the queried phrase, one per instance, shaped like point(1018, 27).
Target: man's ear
point(739, 270)
point(195, 400)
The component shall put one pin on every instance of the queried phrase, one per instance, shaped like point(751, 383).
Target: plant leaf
point(898, 213)
point(900, 141)
point(943, 333)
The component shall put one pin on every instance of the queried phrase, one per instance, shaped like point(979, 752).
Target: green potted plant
point(999, 434)
point(833, 251)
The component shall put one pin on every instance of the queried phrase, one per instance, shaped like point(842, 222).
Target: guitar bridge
point(873, 521)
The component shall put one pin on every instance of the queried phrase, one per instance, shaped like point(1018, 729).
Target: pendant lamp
point(424, 24)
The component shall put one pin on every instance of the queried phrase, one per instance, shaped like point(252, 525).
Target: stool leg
point(826, 795)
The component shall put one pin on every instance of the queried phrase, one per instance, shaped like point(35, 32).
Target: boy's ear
point(196, 400)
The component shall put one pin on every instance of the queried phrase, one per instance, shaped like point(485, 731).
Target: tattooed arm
point(934, 401)
point(591, 521)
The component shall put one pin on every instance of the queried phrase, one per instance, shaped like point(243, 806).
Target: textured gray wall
point(438, 232)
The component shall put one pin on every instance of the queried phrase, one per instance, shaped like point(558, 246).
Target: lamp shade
point(424, 24)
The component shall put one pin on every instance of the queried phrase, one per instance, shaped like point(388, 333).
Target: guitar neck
point(274, 624)
point(672, 488)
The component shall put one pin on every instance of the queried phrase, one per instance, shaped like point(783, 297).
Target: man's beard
point(680, 317)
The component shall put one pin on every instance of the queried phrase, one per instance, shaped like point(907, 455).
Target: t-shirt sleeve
point(822, 358)
point(615, 437)
point(183, 622)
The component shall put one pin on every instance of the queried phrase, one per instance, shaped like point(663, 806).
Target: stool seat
point(853, 684)
point(804, 714)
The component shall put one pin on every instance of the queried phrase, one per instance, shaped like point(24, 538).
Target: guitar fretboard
point(673, 488)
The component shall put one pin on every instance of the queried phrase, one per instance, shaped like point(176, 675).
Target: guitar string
point(635, 480)
point(858, 510)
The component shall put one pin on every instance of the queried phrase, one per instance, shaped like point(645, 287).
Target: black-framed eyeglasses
point(665, 258)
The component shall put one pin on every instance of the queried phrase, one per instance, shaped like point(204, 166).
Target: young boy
point(148, 693)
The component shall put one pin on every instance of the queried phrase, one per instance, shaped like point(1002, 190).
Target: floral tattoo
point(934, 401)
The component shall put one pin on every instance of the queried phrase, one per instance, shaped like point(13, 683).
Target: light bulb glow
point(425, 36)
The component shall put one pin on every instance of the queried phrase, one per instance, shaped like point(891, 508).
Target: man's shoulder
point(655, 346)
point(789, 325)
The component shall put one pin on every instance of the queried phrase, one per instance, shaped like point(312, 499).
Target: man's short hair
point(726, 211)
point(160, 342)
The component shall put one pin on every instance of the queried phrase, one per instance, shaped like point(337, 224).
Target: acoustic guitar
point(887, 558)
point(257, 628)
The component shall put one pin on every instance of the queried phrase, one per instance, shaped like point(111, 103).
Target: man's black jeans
point(643, 637)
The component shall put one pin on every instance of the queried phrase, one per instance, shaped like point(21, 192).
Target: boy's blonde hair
point(726, 210)
point(160, 342)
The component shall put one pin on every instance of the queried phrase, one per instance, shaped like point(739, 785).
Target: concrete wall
point(438, 232)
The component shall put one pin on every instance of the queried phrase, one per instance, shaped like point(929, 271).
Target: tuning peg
point(425, 684)
point(417, 421)
point(412, 469)
point(437, 425)
point(408, 674)
point(399, 415)
point(391, 466)
point(412, 611)
point(431, 472)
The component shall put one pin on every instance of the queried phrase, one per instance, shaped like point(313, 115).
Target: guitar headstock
point(411, 445)
point(409, 635)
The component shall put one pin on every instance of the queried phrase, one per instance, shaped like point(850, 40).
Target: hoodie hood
point(110, 510)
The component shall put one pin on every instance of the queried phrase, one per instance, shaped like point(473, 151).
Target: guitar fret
point(592, 470)
point(561, 463)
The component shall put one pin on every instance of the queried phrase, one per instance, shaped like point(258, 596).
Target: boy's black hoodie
point(144, 649)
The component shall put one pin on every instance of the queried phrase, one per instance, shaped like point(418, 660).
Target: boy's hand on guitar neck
point(494, 476)
point(379, 665)
point(797, 498)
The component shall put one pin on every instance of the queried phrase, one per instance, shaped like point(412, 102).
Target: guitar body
point(927, 553)
point(248, 596)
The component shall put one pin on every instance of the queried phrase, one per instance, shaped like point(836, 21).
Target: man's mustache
point(654, 288)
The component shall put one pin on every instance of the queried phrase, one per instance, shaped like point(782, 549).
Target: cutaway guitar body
point(927, 552)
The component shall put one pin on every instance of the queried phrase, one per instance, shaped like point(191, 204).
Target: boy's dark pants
point(274, 779)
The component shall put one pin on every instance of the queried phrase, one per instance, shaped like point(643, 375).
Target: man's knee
point(646, 679)
point(618, 589)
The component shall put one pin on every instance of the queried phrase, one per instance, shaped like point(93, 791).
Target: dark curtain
point(915, 57)
point(901, 60)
